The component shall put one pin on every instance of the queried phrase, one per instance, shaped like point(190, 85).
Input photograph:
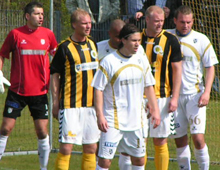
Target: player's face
point(184, 23)
point(83, 25)
point(114, 38)
point(155, 23)
point(36, 18)
point(132, 43)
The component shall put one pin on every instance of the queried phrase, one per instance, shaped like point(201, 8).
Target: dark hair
point(29, 8)
point(185, 10)
point(126, 31)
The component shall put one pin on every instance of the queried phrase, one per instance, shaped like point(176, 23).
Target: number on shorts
point(196, 120)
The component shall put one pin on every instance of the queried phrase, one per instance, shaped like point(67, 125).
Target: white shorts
point(144, 119)
point(163, 130)
point(130, 142)
point(78, 126)
point(188, 113)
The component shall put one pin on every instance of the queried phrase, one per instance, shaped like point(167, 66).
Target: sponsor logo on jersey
point(158, 50)
point(149, 42)
point(130, 81)
point(86, 66)
point(85, 49)
point(42, 41)
point(23, 42)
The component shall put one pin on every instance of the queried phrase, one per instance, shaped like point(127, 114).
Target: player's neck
point(78, 38)
point(31, 27)
point(152, 34)
point(113, 45)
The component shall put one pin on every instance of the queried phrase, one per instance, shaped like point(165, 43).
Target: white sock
point(183, 158)
point(43, 151)
point(137, 167)
point(202, 157)
point(124, 162)
point(100, 168)
point(3, 142)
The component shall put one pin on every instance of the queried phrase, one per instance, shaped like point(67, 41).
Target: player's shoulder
point(198, 35)
point(102, 43)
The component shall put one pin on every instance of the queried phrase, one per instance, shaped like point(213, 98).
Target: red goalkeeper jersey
point(30, 49)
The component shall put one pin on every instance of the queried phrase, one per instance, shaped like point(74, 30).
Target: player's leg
point(134, 144)
point(13, 106)
point(183, 153)
point(43, 142)
point(124, 161)
point(63, 157)
point(197, 119)
point(201, 151)
point(161, 153)
point(108, 144)
point(90, 137)
point(6, 128)
point(181, 139)
point(160, 135)
point(38, 106)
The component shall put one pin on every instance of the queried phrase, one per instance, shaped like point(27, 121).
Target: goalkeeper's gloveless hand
point(3, 81)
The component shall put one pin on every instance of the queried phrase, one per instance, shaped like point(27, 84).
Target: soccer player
point(164, 55)
point(72, 69)
point(105, 47)
point(124, 76)
point(198, 54)
point(30, 46)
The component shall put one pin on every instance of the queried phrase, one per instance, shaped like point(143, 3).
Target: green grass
point(30, 162)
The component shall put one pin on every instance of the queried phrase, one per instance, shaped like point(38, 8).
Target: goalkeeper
point(30, 46)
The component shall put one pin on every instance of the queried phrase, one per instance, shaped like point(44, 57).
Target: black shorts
point(14, 104)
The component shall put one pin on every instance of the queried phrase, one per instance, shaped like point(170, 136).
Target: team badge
point(94, 54)
point(195, 40)
point(158, 50)
point(10, 110)
point(78, 68)
point(42, 41)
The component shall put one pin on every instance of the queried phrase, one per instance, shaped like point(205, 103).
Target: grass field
point(30, 162)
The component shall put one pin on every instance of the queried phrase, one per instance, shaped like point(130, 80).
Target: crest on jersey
point(158, 50)
point(10, 110)
point(94, 54)
point(42, 41)
point(195, 40)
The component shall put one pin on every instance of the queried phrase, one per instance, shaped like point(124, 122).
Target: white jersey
point(122, 81)
point(104, 48)
point(198, 53)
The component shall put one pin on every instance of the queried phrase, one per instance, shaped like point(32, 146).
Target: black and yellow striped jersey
point(76, 62)
point(161, 52)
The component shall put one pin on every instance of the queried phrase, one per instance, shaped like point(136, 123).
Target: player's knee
point(90, 148)
point(104, 163)
point(138, 161)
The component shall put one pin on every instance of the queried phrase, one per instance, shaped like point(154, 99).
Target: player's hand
point(166, 11)
point(173, 105)
point(155, 120)
point(138, 15)
point(3, 81)
point(102, 123)
point(55, 111)
point(204, 99)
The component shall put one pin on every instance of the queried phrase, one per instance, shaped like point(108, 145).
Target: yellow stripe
point(114, 78)
point(206, 49)
point(78, 75)
point(198, 58)
point(149, 49)
point(67, 87)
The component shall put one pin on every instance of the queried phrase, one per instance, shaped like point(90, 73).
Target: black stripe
point(84, 75)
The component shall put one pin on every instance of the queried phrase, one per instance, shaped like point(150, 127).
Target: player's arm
point(209, 78)
point(55, 89)
point(3, 80)
point(98, 101)
point(176, 78)
point(152, 105)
